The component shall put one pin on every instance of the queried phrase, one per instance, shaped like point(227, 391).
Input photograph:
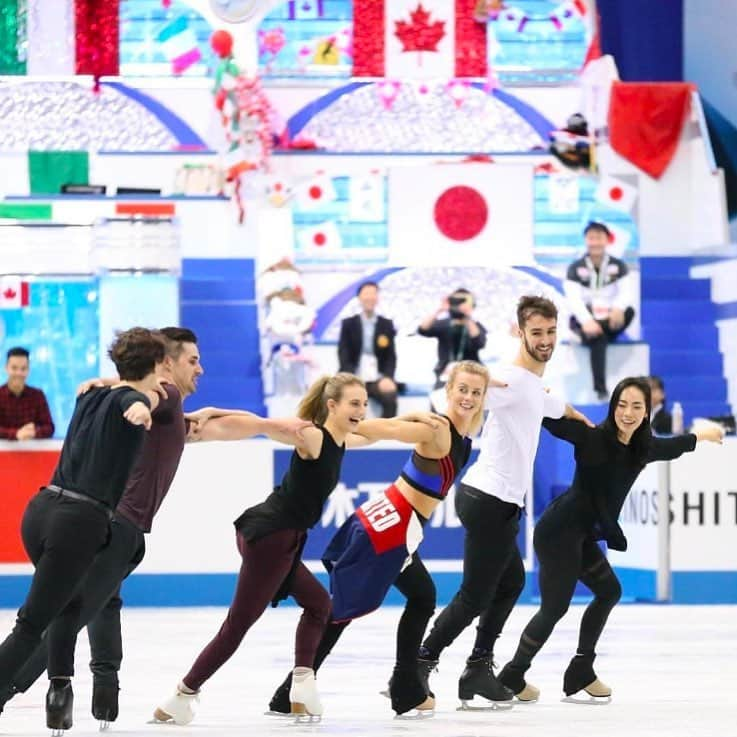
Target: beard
point(542, 358)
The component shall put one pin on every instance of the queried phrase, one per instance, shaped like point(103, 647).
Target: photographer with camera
point(460, 337)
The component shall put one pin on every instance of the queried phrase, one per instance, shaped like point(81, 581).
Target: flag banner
point(179, 44)
point(305, 9)
point(14, 293)
point(315, 193)
point(461, 215)
point(12, 211)
point(366, 202)
point(563, 193)
point(619, 240)
point(615, 193)
point(320, 239)
point(49, 170)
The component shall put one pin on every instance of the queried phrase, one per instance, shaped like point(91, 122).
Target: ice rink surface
point(673, 671)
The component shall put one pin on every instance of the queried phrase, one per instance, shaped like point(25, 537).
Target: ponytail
point(314, 404)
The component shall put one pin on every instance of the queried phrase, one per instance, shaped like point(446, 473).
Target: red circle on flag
point(320, 239)
point(461, 213)
point(616, 194)
point(315, 192)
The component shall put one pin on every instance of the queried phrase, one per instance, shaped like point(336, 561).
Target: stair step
point(675, 288)
point(695, 388)
point(216, 290)
point(665, 268)
point(232, 269)
point(665, 335)
point(676, 310)
point(693, 409)
point(686, 362)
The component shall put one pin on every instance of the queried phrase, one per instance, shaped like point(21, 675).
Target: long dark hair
point(642, 437)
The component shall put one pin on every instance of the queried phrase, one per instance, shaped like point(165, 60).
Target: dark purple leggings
point(266, 564)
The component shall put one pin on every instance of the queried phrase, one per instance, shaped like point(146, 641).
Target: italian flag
point(180, 44)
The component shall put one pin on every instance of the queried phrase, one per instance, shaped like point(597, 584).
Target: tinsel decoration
point(97, 29)
point(13, 36)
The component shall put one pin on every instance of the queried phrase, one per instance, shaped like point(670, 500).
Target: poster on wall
point(471, 214)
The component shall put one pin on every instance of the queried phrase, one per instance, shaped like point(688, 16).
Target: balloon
point(222, 43)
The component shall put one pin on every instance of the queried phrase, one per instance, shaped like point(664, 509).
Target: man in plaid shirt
point(24, 412)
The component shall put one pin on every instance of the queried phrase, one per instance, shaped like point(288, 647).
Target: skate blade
point(385, 693)
point(272, 713)
point(485, 705)
point(57, 733)
point(414, 715)
point(104, 725)
point(587, 700)
point(306, 718)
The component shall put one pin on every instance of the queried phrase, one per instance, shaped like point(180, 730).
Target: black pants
point(62, 537)
point(99, 607)
point(416, 585)
point(493, 572)
point(598, 346)
point(567, 555)
point(387, 400)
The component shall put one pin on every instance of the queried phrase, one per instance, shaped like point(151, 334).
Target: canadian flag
point(14, 293)
point(320, 239)
point(417, 39)
point(471, 214)
point(315, 193)
point(615, 193)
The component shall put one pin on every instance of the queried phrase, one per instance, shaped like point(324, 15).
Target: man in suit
point(661, 421)
point(366, 348)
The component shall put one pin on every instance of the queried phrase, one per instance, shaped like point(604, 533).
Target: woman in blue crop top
point(609, 459)
point(376, 546)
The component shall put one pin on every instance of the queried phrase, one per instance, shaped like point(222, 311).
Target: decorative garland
point(496, 11)
point(246, 115)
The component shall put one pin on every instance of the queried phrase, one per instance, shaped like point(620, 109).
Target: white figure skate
point(179, 708)
point(305, 702)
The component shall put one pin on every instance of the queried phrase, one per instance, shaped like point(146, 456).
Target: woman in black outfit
point(68, 522)
point(609, 459)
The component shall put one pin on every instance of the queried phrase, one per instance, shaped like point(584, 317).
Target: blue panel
point(677, 287)
point(221, 290)
point(221, 268)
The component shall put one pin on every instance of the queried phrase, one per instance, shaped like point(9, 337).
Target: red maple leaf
point(420, 34)
point(10, 293)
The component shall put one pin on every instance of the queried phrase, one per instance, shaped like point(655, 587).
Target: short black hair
point(174, 338)
point(136, 352)
point(18, 351)
point(656, 381)
point(531, 304)
point(365, 284)
point(595, 225)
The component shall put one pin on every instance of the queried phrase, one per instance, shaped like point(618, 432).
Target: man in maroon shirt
point(147, 486)
point(24, 412)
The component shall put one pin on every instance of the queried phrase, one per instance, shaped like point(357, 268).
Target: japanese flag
point(319, 239)
point(616, 194)
point(14, 293)
point(316, 193)
point(470, 214)
point(618, 240)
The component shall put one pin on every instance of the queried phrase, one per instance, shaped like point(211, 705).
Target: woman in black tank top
point(410, 500)
point(270, 538)
point(609, 459)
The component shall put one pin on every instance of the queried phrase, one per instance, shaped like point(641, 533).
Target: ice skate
point(478, 679)
point(5, 695)
point(179, 708)
point(105, 703)
point(408, 692)
point(303, 697)
point(524, 693)
point(581, 685)
point(59, 706)
point(279, 705)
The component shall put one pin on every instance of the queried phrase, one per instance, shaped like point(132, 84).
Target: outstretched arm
point(666, 449)
point(218, 424)
point(424, 430)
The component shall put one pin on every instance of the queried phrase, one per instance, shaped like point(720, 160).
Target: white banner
point(461, 215)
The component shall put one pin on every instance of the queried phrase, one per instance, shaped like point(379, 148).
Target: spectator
point(661, 421)
point(366, 348)
point(24, 412)
point(460, 337)
point(599, 291)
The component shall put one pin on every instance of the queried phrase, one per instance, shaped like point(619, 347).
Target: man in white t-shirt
point(489, 503)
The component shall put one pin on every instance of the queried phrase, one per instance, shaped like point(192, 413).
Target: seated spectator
point(600, 295)
point(460, 337)
point(366, 348)
point(24, 412)
point(661, 421)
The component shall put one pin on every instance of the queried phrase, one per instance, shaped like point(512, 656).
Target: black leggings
point(493, 572)
point(62, 536)
point(566, 556)
point(417, 587)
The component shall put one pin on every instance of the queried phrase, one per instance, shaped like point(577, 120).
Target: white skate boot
point(303, 696)
point(179, 708)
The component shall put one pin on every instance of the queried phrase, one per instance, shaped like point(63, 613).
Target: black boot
point(59, 704)
point(579, 674)
point(105, 701)
point(280, 703)
point(425, 666)
point(513, 678)
point(6, 694)
point(478, 679)
point(407, 690)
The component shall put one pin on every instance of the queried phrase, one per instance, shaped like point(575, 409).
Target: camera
point(454, 303)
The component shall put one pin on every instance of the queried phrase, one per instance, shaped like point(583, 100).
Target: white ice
point(673, 671)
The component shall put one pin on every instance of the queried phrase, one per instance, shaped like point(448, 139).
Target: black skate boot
point(425, 666)
point(59, 706)
point(581, 685)
point(409, 695)
point(513, 678)
point(279, 705)
point(105, 702)
point(6, 694)
point(478, 679)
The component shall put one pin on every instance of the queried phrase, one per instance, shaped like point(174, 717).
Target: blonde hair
point(477, 369)
point(314, 404)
